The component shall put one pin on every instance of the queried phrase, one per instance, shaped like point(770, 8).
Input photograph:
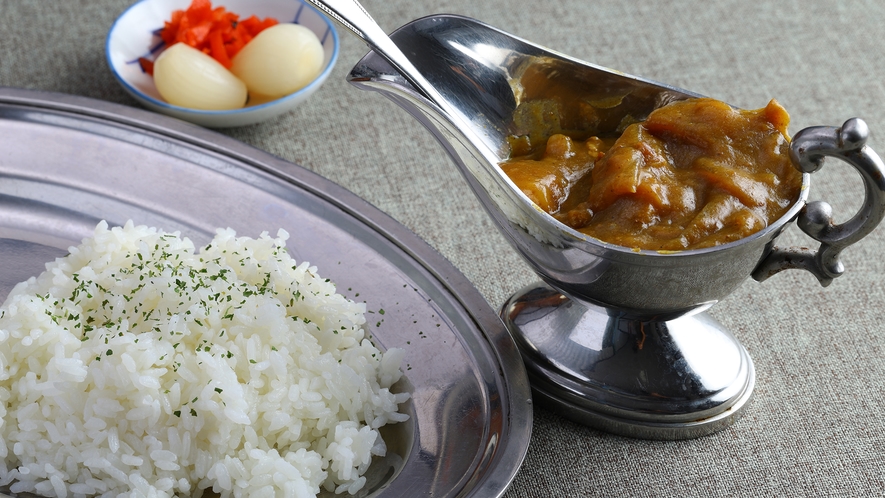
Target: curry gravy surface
point(696, 173)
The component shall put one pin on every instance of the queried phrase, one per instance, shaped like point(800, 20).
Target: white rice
point(137, 366)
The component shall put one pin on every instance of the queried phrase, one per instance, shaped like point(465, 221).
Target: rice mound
point(137, 366)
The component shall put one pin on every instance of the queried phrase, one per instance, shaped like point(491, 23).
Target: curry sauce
point(696, 173)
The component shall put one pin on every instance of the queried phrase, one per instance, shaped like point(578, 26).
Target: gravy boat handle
point(808, 149)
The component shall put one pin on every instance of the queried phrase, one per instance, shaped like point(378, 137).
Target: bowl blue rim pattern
point(330, 31)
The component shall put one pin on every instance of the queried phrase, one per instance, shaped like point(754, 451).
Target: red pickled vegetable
point(217, 50)
point(216, 32)
point(147, 65)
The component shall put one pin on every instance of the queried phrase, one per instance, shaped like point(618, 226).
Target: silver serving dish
point(613, 337)
point(68, 162)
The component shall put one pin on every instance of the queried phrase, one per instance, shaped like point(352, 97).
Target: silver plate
point(68, 162)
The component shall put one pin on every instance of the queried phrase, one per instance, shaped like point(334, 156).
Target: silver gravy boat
point(614, 338)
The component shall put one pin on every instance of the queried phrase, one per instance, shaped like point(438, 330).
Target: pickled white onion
point(280, 60)
point(187, 77)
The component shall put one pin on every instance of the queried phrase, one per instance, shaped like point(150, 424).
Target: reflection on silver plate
point(68, 162)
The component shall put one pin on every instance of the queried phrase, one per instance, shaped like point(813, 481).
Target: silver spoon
point(352, 15)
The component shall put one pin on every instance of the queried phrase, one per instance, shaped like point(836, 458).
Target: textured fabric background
point(815, 425)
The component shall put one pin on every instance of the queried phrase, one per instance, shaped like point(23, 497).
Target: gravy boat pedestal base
point(676, 379)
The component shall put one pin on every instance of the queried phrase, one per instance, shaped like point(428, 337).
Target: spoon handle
point(352, 15)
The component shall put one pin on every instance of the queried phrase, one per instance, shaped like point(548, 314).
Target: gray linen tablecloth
point(815, 425)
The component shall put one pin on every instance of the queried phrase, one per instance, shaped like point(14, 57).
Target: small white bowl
point(135, 34)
